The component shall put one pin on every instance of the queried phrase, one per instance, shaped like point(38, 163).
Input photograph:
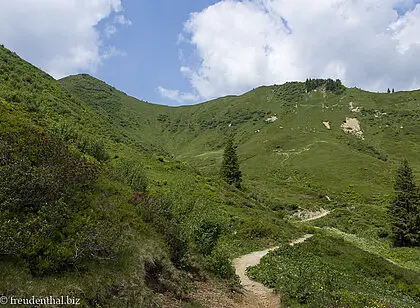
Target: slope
point(284, 147)
point(293, 162)
point(96, 208)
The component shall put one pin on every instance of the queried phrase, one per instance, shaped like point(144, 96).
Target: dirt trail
point(256, 294)
point(316, 215)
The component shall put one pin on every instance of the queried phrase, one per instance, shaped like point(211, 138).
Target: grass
point(159, 170)
point(329, 272)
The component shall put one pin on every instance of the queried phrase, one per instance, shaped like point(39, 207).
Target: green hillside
point(118, 201)
point(294, 147)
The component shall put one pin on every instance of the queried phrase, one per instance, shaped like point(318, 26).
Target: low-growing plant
point(45, 211)
point(133, 173)
point(219, 264)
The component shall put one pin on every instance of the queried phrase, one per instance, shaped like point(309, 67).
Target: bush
point(45, 215)
point(219, 264)
point(157, 211)
point(95, 148)
point(207, 236)
point(134, 175)
point(256, 230)
point(68, 132)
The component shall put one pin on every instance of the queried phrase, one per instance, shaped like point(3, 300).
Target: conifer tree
point(393, 90)
point(230, 166)
point(389, 91)
point(405, 208)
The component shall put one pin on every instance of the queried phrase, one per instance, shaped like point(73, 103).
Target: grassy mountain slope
point(296, 147)
point(294, 162)
point(165, 214)
point(95, 207)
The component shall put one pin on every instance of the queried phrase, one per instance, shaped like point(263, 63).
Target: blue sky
point(151, 47)
point(185, 52)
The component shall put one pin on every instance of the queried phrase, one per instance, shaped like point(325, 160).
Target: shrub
point(68, 132)
point(45, 214)
point(133, 174)
point(256, 230)
point(219, 264)
point(95, 148)
point(207, 236)
point(157, 211)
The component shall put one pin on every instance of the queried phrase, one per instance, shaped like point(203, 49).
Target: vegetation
point(329, 85)
point(230, 167)
point(326, 272)
point(405, 208)
point(120, 202)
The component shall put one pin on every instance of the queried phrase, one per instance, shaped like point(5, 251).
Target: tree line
point(330, 85)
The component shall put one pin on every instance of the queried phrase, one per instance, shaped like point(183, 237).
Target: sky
point(184, 52)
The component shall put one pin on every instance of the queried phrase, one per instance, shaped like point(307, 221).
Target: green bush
point(132, 172)
point(45, 212)
point(256, 229)
point(157, 211)
point(207, 236)
point(329, 272)
point(219, 264)
point(95, 148)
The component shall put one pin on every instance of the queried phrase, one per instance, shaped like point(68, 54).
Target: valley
point(119, 202)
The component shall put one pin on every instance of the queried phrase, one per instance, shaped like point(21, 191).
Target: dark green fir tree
point(230, 165)
point(405, 208)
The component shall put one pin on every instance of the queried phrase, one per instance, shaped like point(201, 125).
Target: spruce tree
point(405, 208)
point(230, 166)
point(389, 91)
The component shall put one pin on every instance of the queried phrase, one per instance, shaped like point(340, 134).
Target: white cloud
point(60, 36)
point(120, 19)
point(110, 27)
point(243, 44)
point(176, 95)
point(112, 51)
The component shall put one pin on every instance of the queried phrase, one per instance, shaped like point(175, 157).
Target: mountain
point(118, 201)
point(281, 135)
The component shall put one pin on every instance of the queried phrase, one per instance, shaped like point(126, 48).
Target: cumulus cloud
point(60, 36)
point(373, 44)
point(176, 95)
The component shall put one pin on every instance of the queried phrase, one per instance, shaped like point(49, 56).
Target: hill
point(282, 139)
point(118, 202)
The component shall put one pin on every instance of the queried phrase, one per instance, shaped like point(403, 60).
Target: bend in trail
point(322, 214)
point(315, 215)
point(256, 294)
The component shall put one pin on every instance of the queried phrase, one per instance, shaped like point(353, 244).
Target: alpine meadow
point(119, 202)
